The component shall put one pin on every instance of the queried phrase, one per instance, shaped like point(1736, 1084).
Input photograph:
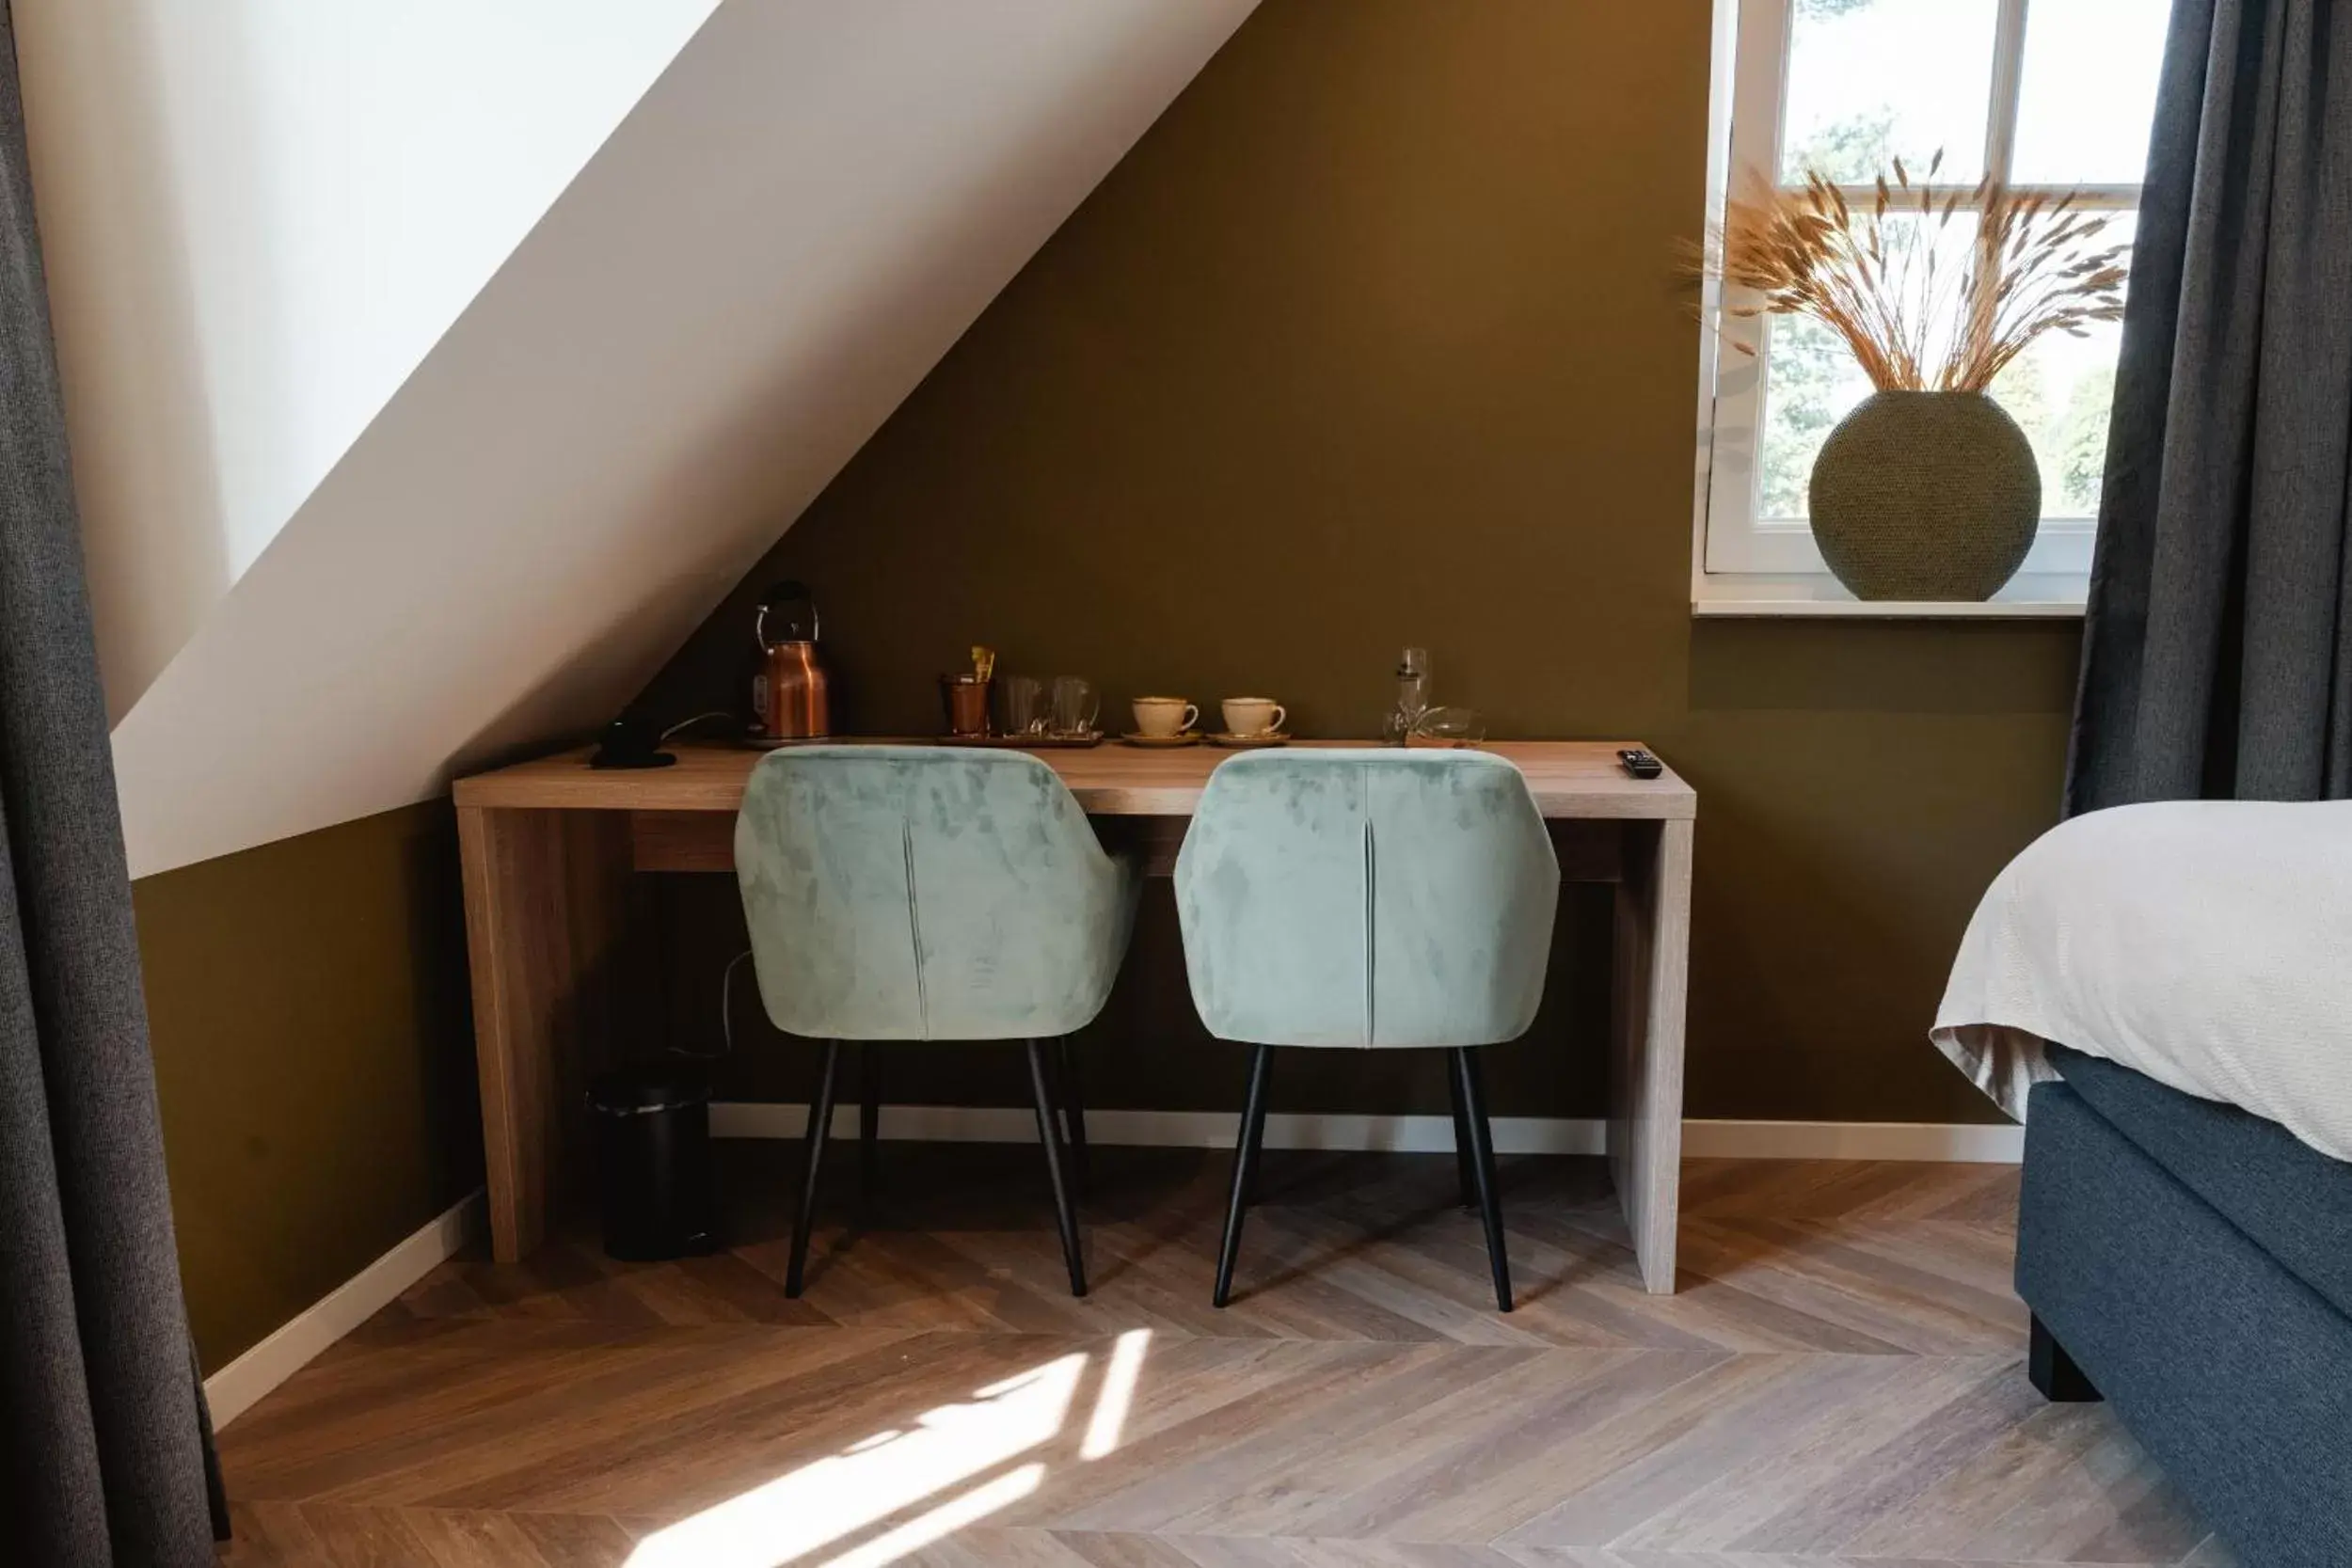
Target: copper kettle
point(790, 695)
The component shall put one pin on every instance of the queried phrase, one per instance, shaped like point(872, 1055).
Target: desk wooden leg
point(545, 913)
point(1652, 969)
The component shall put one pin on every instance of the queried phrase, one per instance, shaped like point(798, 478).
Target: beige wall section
point(314, 1055)
point(1375, 338)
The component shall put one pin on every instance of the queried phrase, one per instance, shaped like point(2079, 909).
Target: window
point(2039, 93)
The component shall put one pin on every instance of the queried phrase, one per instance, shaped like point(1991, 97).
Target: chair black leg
point(869, 1118)
point(1051, 1138)
point(812, 1166)
point(1245, 1167)
point(1465, 1184)
point(1073, 1110)
point(1473, 1094)
point(2052, 1371)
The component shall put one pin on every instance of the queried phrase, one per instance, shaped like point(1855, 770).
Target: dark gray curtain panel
point(104, 1455)
point(2218, 652)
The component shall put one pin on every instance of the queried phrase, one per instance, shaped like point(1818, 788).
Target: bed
point(2164, 993)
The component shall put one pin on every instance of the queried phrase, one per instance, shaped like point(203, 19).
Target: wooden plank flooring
point(1838, 1381)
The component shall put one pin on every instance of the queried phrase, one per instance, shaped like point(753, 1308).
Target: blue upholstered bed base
point(2225, 1364)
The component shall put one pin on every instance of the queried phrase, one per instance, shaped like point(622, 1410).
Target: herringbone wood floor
point(1837, 1383)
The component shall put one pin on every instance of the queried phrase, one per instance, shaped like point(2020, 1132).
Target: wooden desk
point(549, 847)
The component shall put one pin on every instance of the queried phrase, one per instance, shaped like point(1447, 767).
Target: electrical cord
point(726, 1016)
point(726, 1002)
point(689, 724)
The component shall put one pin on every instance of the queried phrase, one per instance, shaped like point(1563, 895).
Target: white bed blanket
point(2206, 943)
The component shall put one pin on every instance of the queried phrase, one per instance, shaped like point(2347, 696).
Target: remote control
point(1640, 763)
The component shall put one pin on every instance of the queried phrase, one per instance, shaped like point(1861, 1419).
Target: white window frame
point(1742, 563)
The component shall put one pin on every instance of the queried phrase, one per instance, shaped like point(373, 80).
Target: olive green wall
point(1376, 338)
point(315, 1060)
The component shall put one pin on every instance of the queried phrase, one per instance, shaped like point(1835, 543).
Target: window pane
point(2059, 392)
point(1872, 80)
point(2088, 90)
point(1810, 382)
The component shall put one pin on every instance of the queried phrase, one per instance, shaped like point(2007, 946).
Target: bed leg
point(2052, 1371)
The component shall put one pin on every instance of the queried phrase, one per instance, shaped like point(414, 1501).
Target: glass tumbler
point(1075, 705)
point(1024, 708)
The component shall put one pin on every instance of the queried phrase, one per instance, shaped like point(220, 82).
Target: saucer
point(1249, 743)
point(1189, 737)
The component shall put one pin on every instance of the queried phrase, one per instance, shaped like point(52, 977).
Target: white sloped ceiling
point(258, 215)
point(797, 220)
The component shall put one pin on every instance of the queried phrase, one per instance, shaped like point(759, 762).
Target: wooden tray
point(1023, 742)
point(999, 742)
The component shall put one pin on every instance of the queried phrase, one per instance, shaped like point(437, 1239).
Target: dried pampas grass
point(1918, 315)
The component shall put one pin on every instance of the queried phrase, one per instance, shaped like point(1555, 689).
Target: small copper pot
point(966, 698)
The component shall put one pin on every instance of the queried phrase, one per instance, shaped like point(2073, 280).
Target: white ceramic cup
point(1254, 716)
point(1160, 717)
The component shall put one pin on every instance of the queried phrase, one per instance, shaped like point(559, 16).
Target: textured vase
point(1926, 496)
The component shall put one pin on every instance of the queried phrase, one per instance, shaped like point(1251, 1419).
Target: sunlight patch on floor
point(945, 1520)
point(1118, 1392)
point(823, 1503)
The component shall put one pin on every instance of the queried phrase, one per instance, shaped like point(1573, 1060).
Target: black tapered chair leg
point(1245, 1169)
point(1071, 1094)
point(1466, 1185)
point(1473, 1094)
point(1048, 1135)
point(1255, 1193)
point(869, 1118)
point(812, 1166)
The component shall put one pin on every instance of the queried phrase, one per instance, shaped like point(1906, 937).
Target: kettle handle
point(759, 627)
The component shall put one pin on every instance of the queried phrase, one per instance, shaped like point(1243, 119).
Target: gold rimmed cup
point(1250, 718)
point(1160, 717)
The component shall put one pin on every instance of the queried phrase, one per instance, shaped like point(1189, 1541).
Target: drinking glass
point(1075, 705)
point(1024, 712)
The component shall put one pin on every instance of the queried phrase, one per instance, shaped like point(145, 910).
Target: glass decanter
point(1412, 695)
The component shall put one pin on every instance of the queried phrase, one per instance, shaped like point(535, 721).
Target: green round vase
point(1926, 496)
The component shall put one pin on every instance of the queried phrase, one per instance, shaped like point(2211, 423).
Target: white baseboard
point(239, 1385)
point(1957, 1142)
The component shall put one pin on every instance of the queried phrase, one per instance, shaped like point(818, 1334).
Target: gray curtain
point(2218, 652)
point(107, 1458)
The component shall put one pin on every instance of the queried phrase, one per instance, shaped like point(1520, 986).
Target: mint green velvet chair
point(927, 892)
point(1374, 900)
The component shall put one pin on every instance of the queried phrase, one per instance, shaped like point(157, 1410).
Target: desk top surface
point(1570, 778)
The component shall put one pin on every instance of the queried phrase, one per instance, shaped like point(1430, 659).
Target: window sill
point(2036, 597)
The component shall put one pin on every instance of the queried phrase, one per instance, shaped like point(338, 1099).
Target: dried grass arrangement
point(1918, 315)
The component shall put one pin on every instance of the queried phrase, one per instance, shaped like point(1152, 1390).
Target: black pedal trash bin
point(653, 1161)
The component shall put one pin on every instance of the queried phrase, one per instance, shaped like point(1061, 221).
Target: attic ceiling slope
point(792, 226)
point(259, 215)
